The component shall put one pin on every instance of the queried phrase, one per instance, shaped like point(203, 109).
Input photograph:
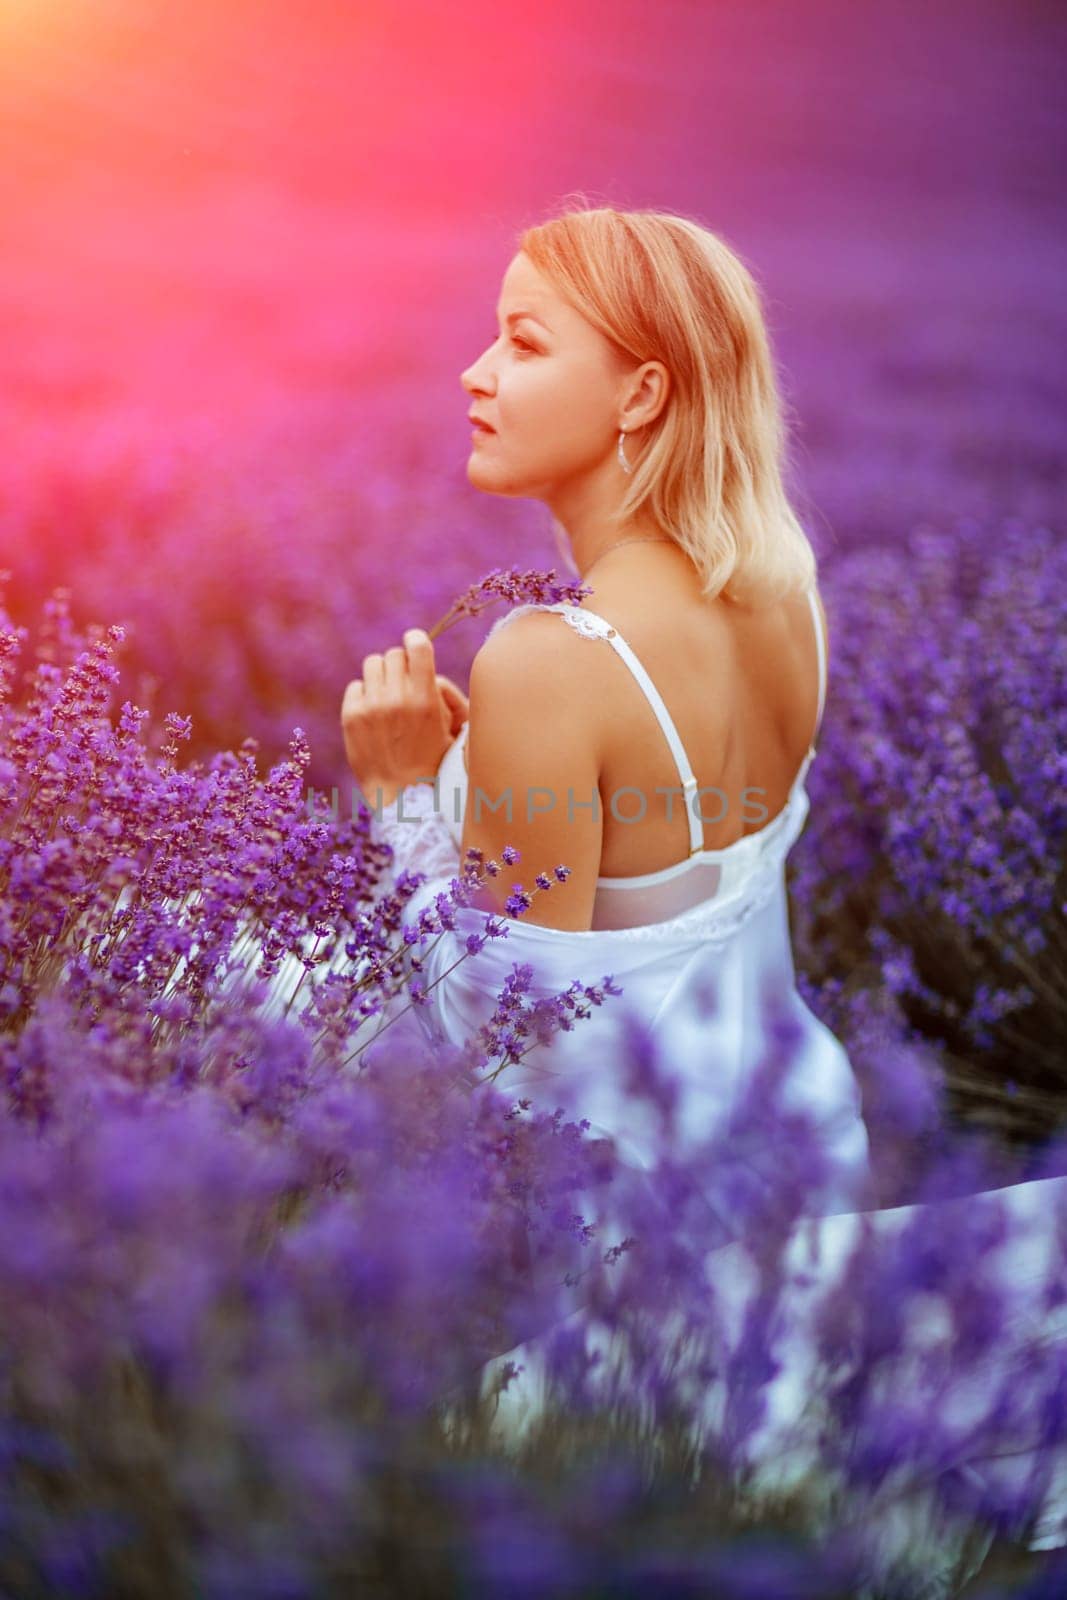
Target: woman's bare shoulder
point(541, 666)
point(525, 633)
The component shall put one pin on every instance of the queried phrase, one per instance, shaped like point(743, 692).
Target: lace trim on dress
point(586, 623)
point(528, 605)
point(415, 829)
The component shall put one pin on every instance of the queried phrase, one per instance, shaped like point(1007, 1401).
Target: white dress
point(695, 949)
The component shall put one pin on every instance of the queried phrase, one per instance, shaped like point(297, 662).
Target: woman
point(656, 743)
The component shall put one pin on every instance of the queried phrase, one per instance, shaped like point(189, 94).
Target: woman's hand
point(459, 707)
point(399, 718)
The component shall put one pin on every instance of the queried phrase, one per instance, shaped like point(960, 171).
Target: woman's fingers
point(419, 649)
point(395, 716)
point(456, 702)
point(451, 693)
point(352, 701)
point(401, 675)
point(408, 664)
point(393, 684)
point(373, 671)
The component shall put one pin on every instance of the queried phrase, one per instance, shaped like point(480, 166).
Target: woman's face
point(549, 385)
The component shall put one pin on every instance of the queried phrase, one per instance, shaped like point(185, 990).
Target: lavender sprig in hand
point(521, 588)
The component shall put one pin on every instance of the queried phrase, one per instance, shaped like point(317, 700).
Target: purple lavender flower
point(518, 587)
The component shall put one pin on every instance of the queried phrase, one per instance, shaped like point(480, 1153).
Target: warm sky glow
point(231, 203)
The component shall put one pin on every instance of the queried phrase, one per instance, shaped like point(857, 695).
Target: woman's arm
point(463, 969)
point(534, 770)
point(526, 713)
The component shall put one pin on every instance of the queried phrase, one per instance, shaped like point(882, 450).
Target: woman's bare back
point(741, 685)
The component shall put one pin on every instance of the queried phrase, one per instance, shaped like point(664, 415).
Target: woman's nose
point(472, 378)
point(470, 381)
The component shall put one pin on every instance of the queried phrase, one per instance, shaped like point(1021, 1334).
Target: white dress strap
point(820, 645)
point(591, 625)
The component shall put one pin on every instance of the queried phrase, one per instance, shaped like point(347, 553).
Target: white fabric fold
point(694, 983)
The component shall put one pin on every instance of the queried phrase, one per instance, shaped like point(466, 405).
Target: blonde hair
point(709, 468)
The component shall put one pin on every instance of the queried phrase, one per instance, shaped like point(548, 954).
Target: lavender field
point(263, 1262)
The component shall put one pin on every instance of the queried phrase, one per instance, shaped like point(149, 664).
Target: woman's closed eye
point(515, 339)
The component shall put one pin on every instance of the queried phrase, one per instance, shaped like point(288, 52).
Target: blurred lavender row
point(257, 1272)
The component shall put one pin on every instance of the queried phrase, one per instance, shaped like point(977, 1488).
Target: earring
point(624, 464)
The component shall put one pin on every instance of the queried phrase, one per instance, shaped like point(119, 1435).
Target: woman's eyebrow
point(515, 316)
